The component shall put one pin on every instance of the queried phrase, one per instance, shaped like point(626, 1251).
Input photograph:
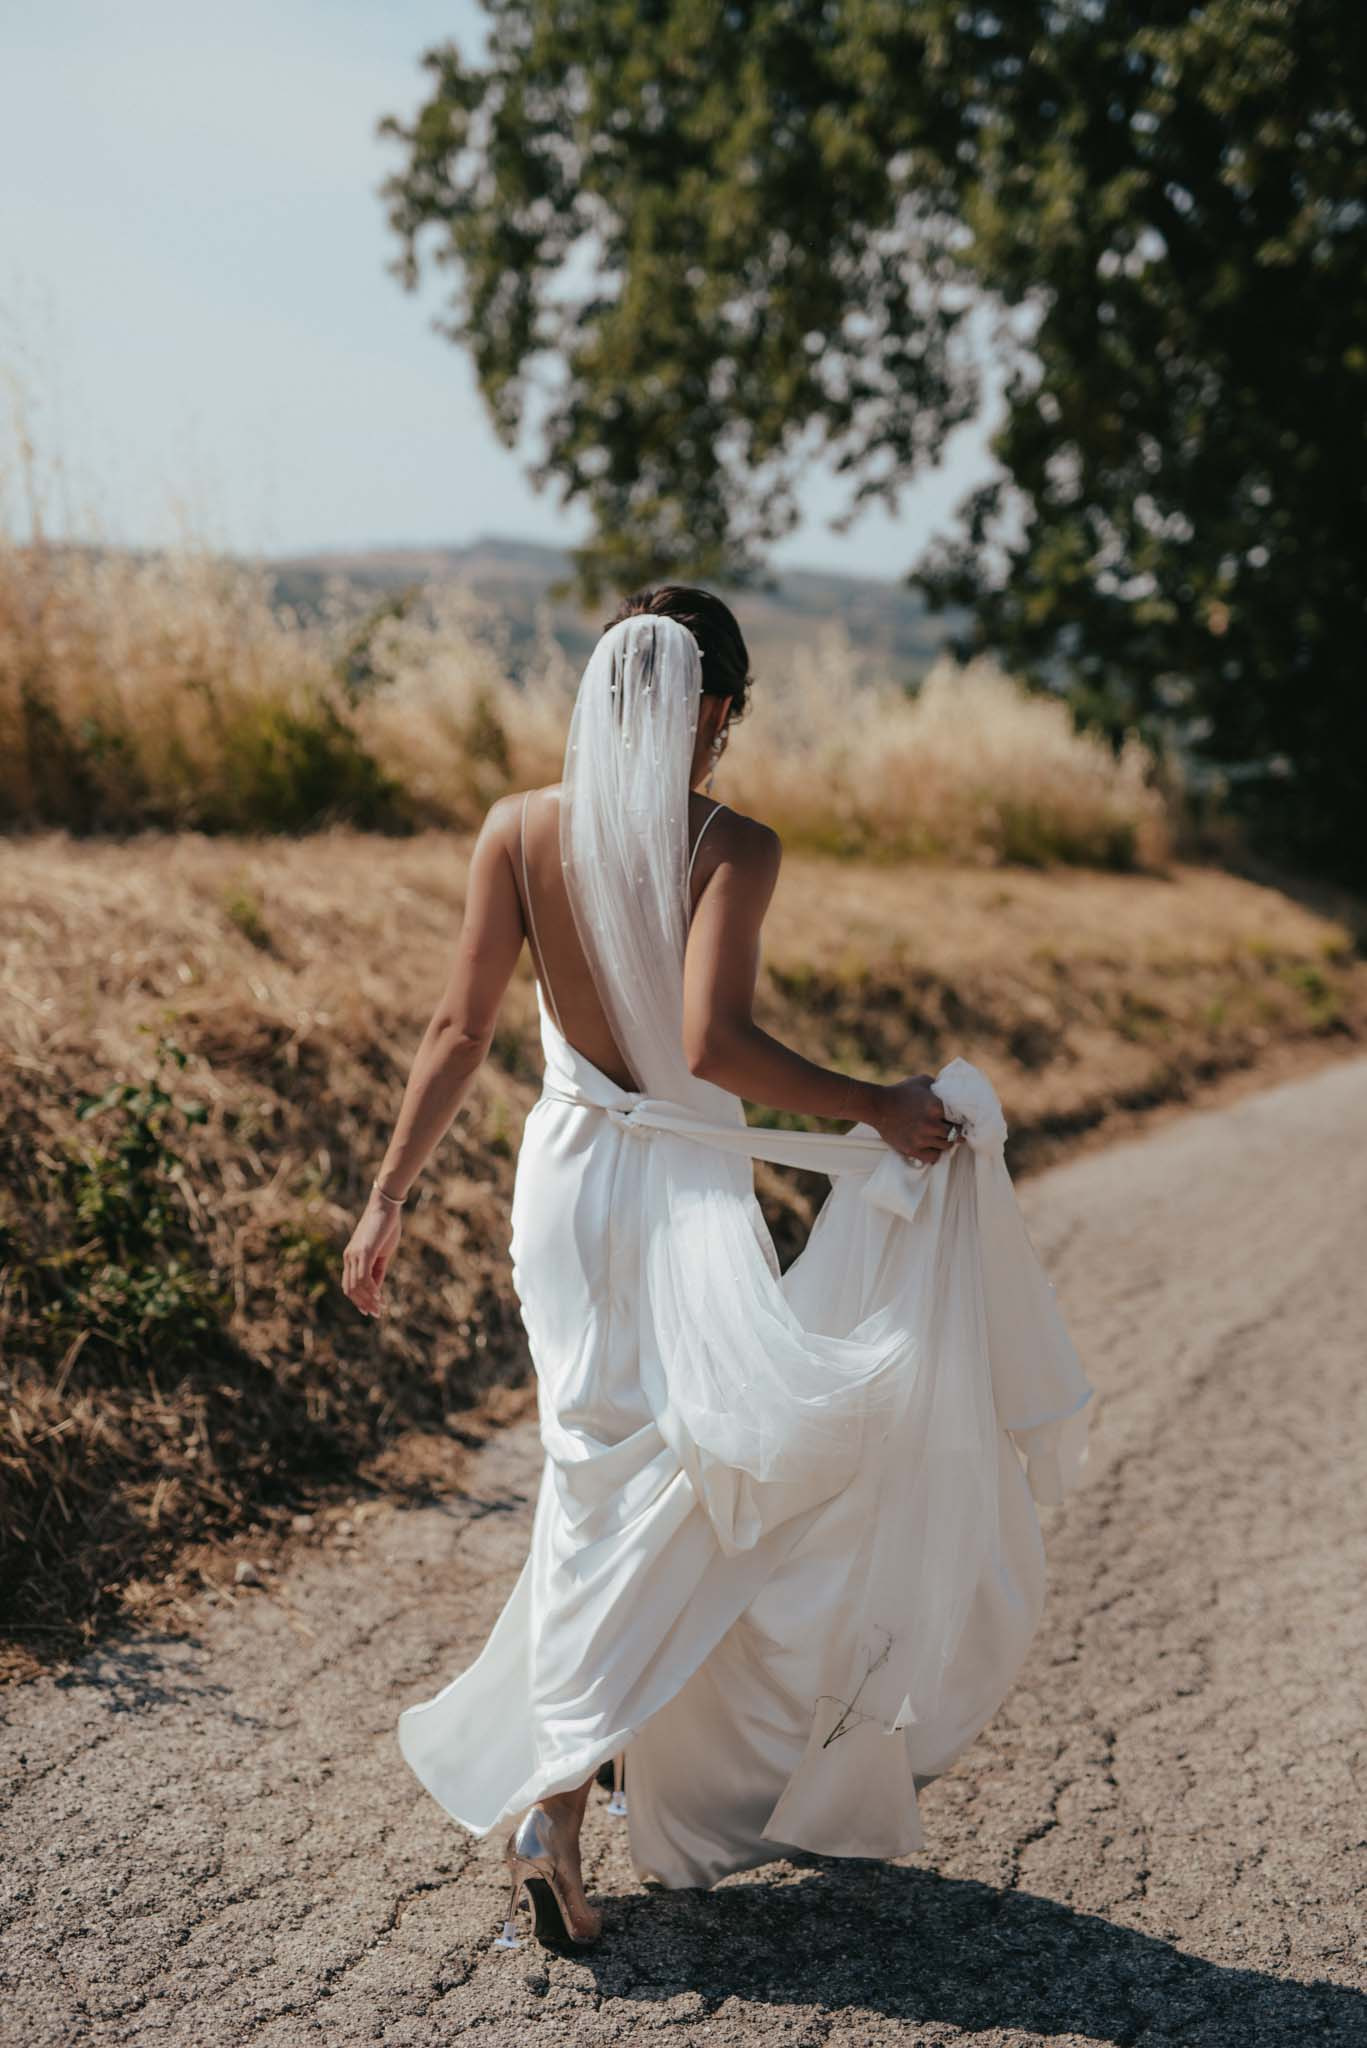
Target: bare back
point(732, 870)
point(557, 956)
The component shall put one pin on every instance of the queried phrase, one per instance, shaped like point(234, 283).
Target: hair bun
point(720, 642)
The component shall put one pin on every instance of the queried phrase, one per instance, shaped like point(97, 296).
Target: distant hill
point(884, 620)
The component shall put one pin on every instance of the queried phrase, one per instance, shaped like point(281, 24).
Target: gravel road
point(1159, 1840)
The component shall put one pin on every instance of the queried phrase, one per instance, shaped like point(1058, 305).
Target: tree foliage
point(695, 245)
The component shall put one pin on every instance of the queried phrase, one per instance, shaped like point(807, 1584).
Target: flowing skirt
point(632, 1625)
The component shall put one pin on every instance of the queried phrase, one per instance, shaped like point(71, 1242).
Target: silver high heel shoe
point(612, 1776)
point(561, 1915)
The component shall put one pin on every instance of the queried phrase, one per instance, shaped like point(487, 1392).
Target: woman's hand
point(366, 1259)
point(911, 1118)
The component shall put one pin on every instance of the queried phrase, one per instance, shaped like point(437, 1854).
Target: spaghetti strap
point(538, 957)
point(698, 841)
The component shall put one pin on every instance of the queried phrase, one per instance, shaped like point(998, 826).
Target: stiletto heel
point(509, 1937)
point(560, 1919)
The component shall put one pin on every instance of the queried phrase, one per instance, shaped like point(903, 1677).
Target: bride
point(785, 1545)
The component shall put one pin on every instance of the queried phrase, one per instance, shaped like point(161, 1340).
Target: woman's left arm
point(453, 1046)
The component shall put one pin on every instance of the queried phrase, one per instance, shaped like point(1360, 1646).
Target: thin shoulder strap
point(698, 841)
point(539, 958)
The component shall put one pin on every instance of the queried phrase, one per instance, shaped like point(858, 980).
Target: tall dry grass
point(170, 692)
point(972, 768)
point(167, 692)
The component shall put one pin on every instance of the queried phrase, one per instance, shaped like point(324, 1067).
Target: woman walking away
point(785, 1547)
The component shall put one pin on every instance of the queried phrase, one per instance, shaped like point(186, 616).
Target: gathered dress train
point(629, 1624)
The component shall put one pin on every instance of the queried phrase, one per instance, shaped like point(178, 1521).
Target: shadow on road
point(138, 1677)
point(915, 1946)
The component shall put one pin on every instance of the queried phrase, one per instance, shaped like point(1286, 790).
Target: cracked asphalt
point(211, 1838)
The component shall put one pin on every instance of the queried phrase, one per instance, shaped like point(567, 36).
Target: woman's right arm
point(722, 1041)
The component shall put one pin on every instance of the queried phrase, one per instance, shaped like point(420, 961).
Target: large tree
point(696, 244)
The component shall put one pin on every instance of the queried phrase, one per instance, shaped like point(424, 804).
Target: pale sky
point(194, 293)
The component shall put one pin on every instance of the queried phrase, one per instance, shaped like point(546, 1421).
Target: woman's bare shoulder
point(731, 837)
point(744, 839)
point(503, 819)
point(740, 852)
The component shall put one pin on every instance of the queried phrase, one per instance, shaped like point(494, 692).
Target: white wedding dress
point(785, 1551)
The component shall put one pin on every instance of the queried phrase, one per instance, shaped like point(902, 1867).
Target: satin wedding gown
point(785, 1550)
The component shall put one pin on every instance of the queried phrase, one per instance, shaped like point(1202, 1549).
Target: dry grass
point(970, 769)
point(166, 692)
point(169, 693)
point(178, 1361)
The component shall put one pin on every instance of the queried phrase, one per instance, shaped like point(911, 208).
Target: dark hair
point(725, 657)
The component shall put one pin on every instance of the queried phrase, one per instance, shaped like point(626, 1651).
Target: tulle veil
point(915, 1330)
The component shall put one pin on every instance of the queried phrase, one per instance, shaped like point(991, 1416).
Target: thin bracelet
point(398, 1200)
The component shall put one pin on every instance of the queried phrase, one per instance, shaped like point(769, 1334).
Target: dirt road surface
point(1159, 1841)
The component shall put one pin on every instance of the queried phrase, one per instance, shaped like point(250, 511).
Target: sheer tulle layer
point(889, 1357)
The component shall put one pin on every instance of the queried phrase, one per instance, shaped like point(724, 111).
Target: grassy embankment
point(207, 1035)
point(179, 1362)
